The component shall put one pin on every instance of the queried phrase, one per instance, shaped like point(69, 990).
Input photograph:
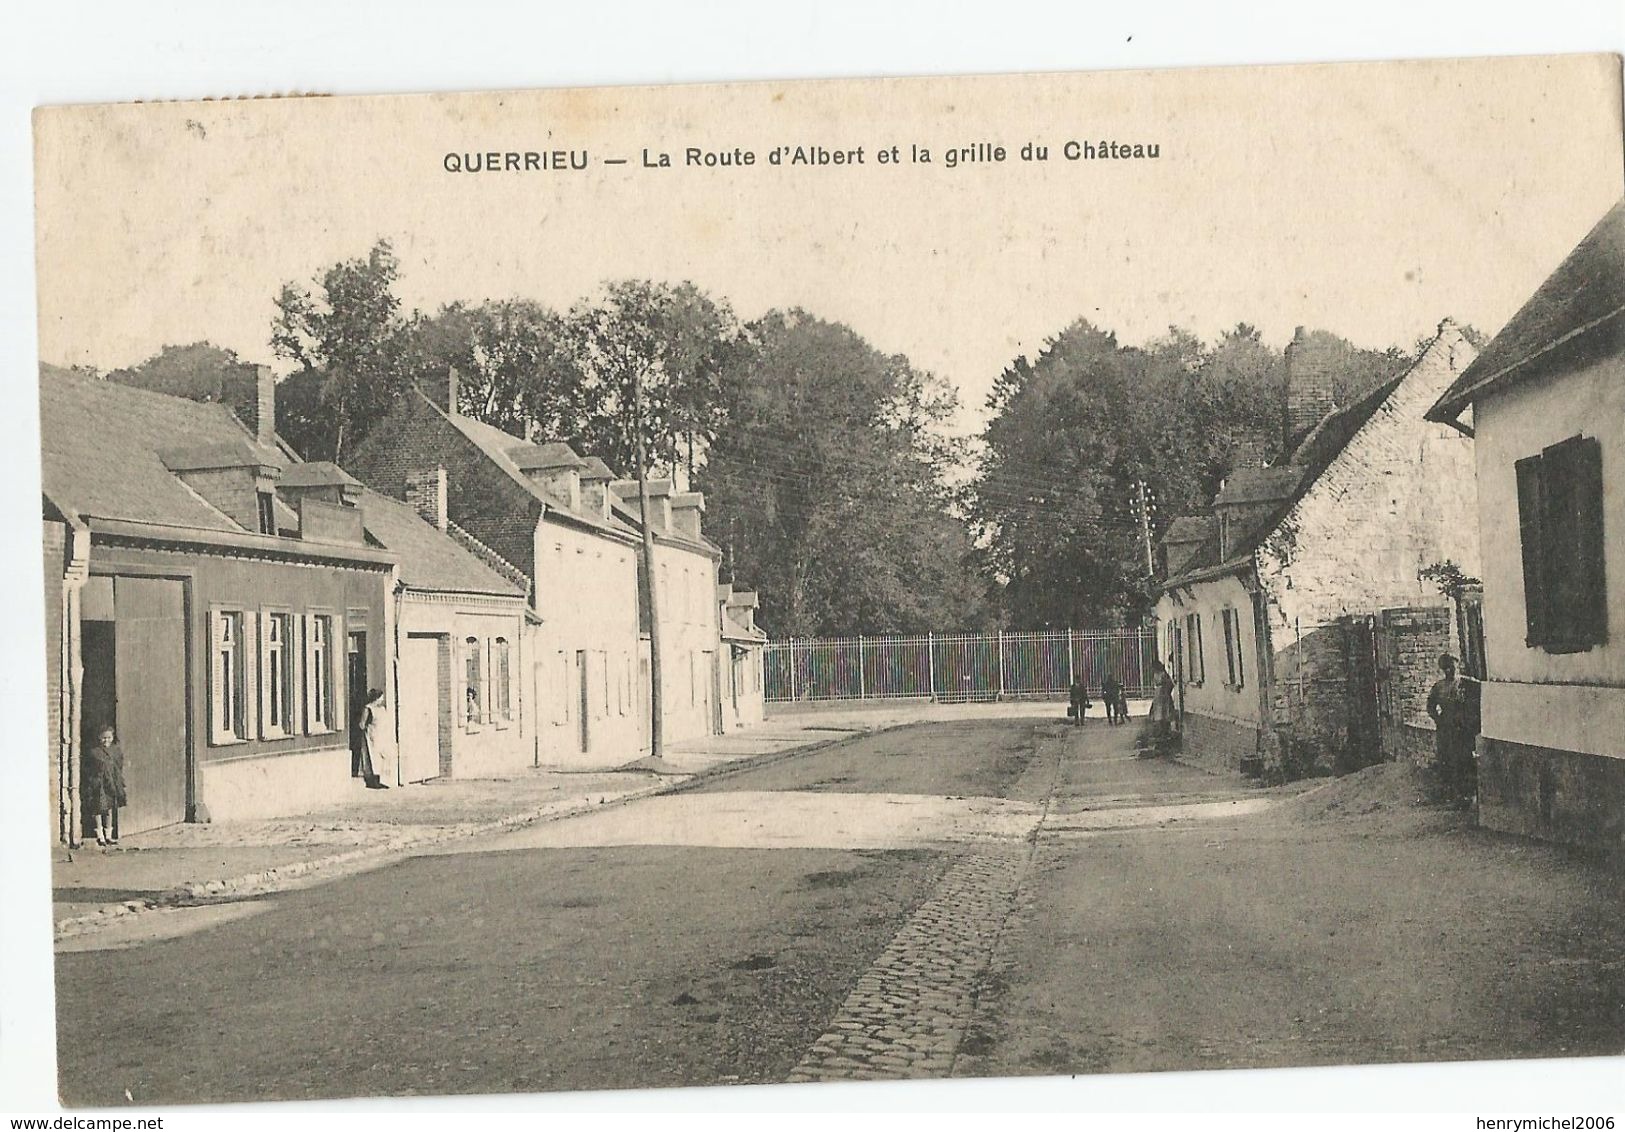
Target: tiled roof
point(100, 445)
point(594, 468)
point(317, 473)
point(498, 447)
point(1576, 315)
point(1259, 485)
point(1190, 528)
point(429, 559)
point(536, 457)
point(733, 630)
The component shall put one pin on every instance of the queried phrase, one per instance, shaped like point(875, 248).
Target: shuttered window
point(1231, 620)
point(1560, 529)
point(1193, 638)
point(228, 722)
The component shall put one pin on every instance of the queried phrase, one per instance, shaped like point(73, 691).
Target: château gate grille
point(959, 668)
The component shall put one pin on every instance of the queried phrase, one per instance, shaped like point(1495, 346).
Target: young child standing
point(103, 785)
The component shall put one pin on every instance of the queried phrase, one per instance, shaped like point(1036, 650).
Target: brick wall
point(55, 539)
point(1409, 641)
point(480, 497)
point(1219, 744)
point(1311, 701)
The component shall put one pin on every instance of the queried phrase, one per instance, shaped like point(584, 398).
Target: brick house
point(221, 624)
point(744, 645)
point(548, 513)
point(1267, 613)
point(1545, 403)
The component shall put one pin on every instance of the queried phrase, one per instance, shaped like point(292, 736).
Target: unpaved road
point(956, 898)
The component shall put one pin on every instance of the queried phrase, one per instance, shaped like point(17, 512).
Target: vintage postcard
point(828, 581)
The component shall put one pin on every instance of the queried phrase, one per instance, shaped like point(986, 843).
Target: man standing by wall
point(1453, 706)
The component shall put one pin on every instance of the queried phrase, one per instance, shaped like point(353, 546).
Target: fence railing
point(955, 668)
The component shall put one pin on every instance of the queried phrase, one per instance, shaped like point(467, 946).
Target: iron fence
point(958, 668)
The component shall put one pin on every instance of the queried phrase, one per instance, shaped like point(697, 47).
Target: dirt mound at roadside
point(1384, 788)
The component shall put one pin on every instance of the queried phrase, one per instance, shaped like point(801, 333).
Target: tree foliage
point(823, 483)
point(1075, 431)
point(195, 371)
point(348, 339)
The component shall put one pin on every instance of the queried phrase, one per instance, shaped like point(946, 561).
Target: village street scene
point(457, 692)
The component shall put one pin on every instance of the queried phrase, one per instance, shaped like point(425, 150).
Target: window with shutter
point(1560, 529)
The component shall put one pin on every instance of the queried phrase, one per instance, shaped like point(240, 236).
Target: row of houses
point(1300, 617)
point(227, 606)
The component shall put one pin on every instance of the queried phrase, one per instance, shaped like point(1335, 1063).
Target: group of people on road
point(1112, 693)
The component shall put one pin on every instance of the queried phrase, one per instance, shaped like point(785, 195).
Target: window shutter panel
point(338, 674)
point(265, 681)
point(1531, 537)
point(250, 650)
point(216, 683)
point(1591, 582)
point(307, 637)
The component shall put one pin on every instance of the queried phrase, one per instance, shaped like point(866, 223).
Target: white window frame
point(472, 650)
point(228, 677)
point(501, 712)
point(278, 648)
point(322, 705)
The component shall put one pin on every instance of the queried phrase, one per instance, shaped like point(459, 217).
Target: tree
point(348, 339)
point(513, 369)
point(823, 484)
point(673, 340)
point(195, 371)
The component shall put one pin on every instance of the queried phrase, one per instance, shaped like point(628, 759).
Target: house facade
point(744, 651)
point(691, 647)
point(459, 651)
point(1545, 404)
point(1266, 616)
point(222, 626)
point(548, 513)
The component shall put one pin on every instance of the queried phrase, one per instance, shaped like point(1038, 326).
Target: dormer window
point(267, 512)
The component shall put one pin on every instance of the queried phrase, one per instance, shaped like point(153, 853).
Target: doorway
point(425, 708)
point(355, 684)
point(136, 679)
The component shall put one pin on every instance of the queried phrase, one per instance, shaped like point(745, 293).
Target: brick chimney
point(426, 492)
point(443, 393)
point(1309, 362)
point(249, 391)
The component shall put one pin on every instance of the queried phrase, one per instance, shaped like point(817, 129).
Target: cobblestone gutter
point(909, 1012)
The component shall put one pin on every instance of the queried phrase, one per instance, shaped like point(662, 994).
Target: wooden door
point(422, 708)
point(150, 677)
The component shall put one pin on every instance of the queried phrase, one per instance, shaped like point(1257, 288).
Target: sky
point(1370, 199)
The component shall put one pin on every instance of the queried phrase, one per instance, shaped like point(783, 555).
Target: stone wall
point(1218, 744)
point(1409, 642)
point(1555, 795)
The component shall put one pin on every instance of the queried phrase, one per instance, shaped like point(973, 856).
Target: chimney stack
point(596, 497)
point(1309, 397)
point(443, 393)
point(426, 492)
point(249, 391)
point(686, 509)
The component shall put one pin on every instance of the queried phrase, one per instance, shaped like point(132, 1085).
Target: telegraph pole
point(656, 746)
point(1144, 508)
